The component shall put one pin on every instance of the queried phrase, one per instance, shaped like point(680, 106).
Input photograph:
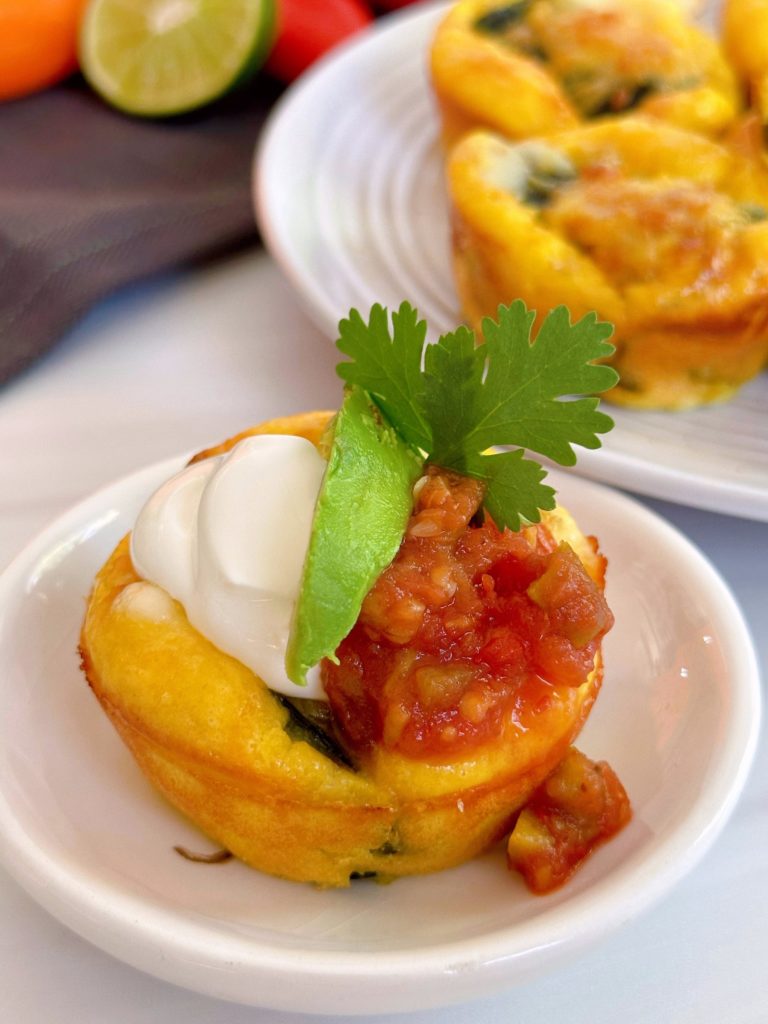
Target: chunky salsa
point(471, 629)
point(580, 806)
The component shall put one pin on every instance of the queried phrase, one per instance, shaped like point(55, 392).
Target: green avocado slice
point(360, 518)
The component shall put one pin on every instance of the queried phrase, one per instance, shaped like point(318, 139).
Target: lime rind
point(157, 58)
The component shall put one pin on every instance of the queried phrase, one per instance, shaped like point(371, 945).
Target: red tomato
point(393, 5)
point(306, 29)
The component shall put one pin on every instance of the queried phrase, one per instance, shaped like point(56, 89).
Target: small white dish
point(87, 837)
point(351, 203)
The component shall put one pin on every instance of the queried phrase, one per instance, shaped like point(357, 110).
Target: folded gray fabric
point(91, 200)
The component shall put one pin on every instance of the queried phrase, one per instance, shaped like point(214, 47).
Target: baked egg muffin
point(662, 231)
point(461, 657)
point(534, 67)
point(430, 764)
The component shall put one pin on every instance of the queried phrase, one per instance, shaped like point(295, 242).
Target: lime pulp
point(161, 57)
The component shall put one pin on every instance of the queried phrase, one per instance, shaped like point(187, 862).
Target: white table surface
point(192, 359)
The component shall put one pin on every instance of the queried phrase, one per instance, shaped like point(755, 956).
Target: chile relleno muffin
point(417, 762)
point(661, 231)
point(534, 67)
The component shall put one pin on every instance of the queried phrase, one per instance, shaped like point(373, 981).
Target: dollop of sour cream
point(227, 538)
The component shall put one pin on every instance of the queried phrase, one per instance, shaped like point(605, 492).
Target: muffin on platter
point(662, 231)
point(359, 644)
point(533, 67)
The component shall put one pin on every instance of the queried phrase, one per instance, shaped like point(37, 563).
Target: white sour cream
point(227, 538)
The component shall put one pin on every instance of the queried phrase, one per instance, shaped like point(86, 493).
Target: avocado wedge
point(360, 518)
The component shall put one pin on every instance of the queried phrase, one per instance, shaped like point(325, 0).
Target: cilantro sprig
point(454, 400)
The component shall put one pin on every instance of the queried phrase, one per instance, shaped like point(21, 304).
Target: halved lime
point(162, 57)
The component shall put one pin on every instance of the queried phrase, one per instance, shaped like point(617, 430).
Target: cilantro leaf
point(511, 391)
point(514, 491)
point(388, 366)
point(519, 401)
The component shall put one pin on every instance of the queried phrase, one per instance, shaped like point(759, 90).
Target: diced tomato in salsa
point(470, 628)
point(580, 806)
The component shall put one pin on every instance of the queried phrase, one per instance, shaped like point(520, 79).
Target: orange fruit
point(38, 43)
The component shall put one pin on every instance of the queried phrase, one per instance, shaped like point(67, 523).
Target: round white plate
point(88, 838)
point(351, 203)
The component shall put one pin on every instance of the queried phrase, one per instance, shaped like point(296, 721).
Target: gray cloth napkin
point(91, 200)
